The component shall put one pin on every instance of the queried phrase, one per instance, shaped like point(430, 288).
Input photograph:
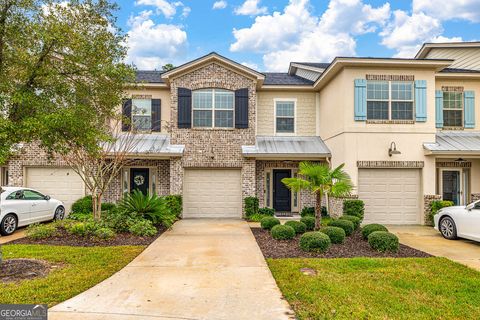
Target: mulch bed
point(14, 270)
point(62, 238)
point(354, 246)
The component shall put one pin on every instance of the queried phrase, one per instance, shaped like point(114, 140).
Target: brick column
point(427, 206)
point(248, 180)
point(176, 176)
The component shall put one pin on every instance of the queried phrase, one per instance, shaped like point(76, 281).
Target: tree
point(168, 67)
point(321, 180)
point(61, 73)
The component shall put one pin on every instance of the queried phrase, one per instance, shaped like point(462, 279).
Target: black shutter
point(127, 115)
point(156, 115)
point(184, 108)
point(241, 108)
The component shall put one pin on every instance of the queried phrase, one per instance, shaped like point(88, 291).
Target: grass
point(379, 288)
point(83, 267)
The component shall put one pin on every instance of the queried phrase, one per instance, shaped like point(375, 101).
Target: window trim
point(132, 127)
point(462, 109)
point(294, 100)
point(213, 109)
point(390, 100)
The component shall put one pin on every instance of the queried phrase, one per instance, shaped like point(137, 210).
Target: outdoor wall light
point(393, 149)
point(460, 160)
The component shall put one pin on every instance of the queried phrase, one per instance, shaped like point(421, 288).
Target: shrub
point(383, 241)
point(107, 206)
point(356, 220)
point(143, 228)
point(336, 234)
point(269, 222)
point(298, 226)
point(346, 225)
point(354, 208)
point(435, 206)
point(309, 222)
point(80, 216)
point(283, 232)
point(78, 229)
point(251, 205)
point(267, 211)
point(104, 233)
point(85, 205)
point(256, 217)
point(117, 220)
point(174, 203)
point(307, 211)
point(315, 241)
point(40, 231)
point(369, 228)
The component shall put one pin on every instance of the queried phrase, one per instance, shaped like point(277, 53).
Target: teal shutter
point(469, 109)
point(421, 100)
point(360, 99)
point(439, 108)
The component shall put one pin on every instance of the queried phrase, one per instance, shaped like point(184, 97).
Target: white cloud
point(186, 11)
point(167, 8)
point(250, 65)
point(251, 8)
point(152, 45)
point(448, 10)
point(219, 5)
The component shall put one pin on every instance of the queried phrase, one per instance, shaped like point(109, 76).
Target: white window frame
point(213, 109)
point(294, 100)
point(152, 183)
point(462, 109)
point(390, 100)
point(133, 128)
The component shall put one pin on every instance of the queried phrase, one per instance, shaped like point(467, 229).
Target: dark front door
point(282, 196)
point(139, 179)
point(451, 186)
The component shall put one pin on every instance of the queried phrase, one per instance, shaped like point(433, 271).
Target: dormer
point(466, 55)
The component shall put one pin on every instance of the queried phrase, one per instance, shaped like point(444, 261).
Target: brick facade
point(427, 205)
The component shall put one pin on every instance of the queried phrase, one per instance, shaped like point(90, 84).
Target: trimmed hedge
point(309, 222)
point(298, 226)
point(383, 241)
point(315, 241)
point(251, 206)
point(267, 211)
point(282, 232)
point(346, 225)
point(310, 211)
point(356, 220)
point(369, 228)
point(336, 234)
point(269, 222)
point(354, 208)
point(174, 203)
point(435, 206)
point(85, 205)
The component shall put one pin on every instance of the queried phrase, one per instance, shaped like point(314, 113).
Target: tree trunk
point(97, 206)
point(318, 211)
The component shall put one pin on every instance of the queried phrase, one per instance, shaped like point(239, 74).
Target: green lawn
point(379, 288)
point(83, 267)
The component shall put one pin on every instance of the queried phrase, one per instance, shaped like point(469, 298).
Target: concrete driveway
point(201, 269)
point(18, 234)
point(431, 241)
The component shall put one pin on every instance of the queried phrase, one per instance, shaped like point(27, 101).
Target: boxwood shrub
point(267, 211)
point(269, 222)
point(315, 241)
point(356, 220)
point(383, 241)
point(346, 225)
point(309, 222)
point(354, 208)
point(307, 211)
point(298, 226)
point(369, 228)
point(282, 232)
point(336, 234)
point(251, 205)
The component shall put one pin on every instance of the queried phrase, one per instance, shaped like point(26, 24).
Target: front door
point(451, 186)
point(139, 179)
point(282, 196)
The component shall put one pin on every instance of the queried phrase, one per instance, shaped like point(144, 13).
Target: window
point(142, 114)
point(213, 108)
point(390, 100)
point(32, 195)
point(452, 109)
point(285, 116)
point(15, 195)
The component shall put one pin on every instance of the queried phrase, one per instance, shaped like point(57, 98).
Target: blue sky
point(267, 35)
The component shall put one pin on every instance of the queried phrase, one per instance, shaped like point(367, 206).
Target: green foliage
point(104, 233)
point(78, 229)
point(256, 217)
point(315, 241)
point(143, 228)
point(309, 222)
point(174, 204)
point(282, 232)
point(298, 226)
point(354, 208)
point(435, 206)
point(307, 211)
point(107, 206)
point(369, 228)
point(336, 234)
point(251, 205)
point(269, 222)
point(40, 231)
point(84, 206)
point(80, 216)
point(356, 220)
point(267, 211)
point(383, 241)
point(346, 225)
point(118, 220)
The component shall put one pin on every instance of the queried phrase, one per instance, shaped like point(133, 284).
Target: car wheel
point(8, 225)
point(448, 228)
point(59, 213)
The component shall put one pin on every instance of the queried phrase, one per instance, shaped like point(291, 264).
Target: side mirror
point(47, 197)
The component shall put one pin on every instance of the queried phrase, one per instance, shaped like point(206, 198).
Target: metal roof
point(149, 145)
point(320, 65)
point(291, 147)
point(455, 142)
point(277, 78)
point(149, 76)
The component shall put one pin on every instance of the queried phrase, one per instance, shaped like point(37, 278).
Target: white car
point(459, 221)
point(23, 206)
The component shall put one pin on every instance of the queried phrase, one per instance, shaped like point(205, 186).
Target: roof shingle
point(277, 78)
point(149, 76)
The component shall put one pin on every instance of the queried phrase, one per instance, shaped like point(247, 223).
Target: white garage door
point(212, 193)
point(59, 183)
point(392, 196)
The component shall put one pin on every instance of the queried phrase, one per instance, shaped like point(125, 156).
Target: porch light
point(460, 160)
point(393, 149)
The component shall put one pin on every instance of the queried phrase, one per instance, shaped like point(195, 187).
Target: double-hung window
point(213, 108)
point(452, 109)
point(284, 116)
point(390, 100)
point(142, 114)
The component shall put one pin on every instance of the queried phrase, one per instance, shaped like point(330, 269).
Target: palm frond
point(341, 188)
point(296, 184)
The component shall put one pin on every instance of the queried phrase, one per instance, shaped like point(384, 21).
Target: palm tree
point(320, 179)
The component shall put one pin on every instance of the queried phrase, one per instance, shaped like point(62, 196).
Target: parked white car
point(23, 206)
point(459, 221)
